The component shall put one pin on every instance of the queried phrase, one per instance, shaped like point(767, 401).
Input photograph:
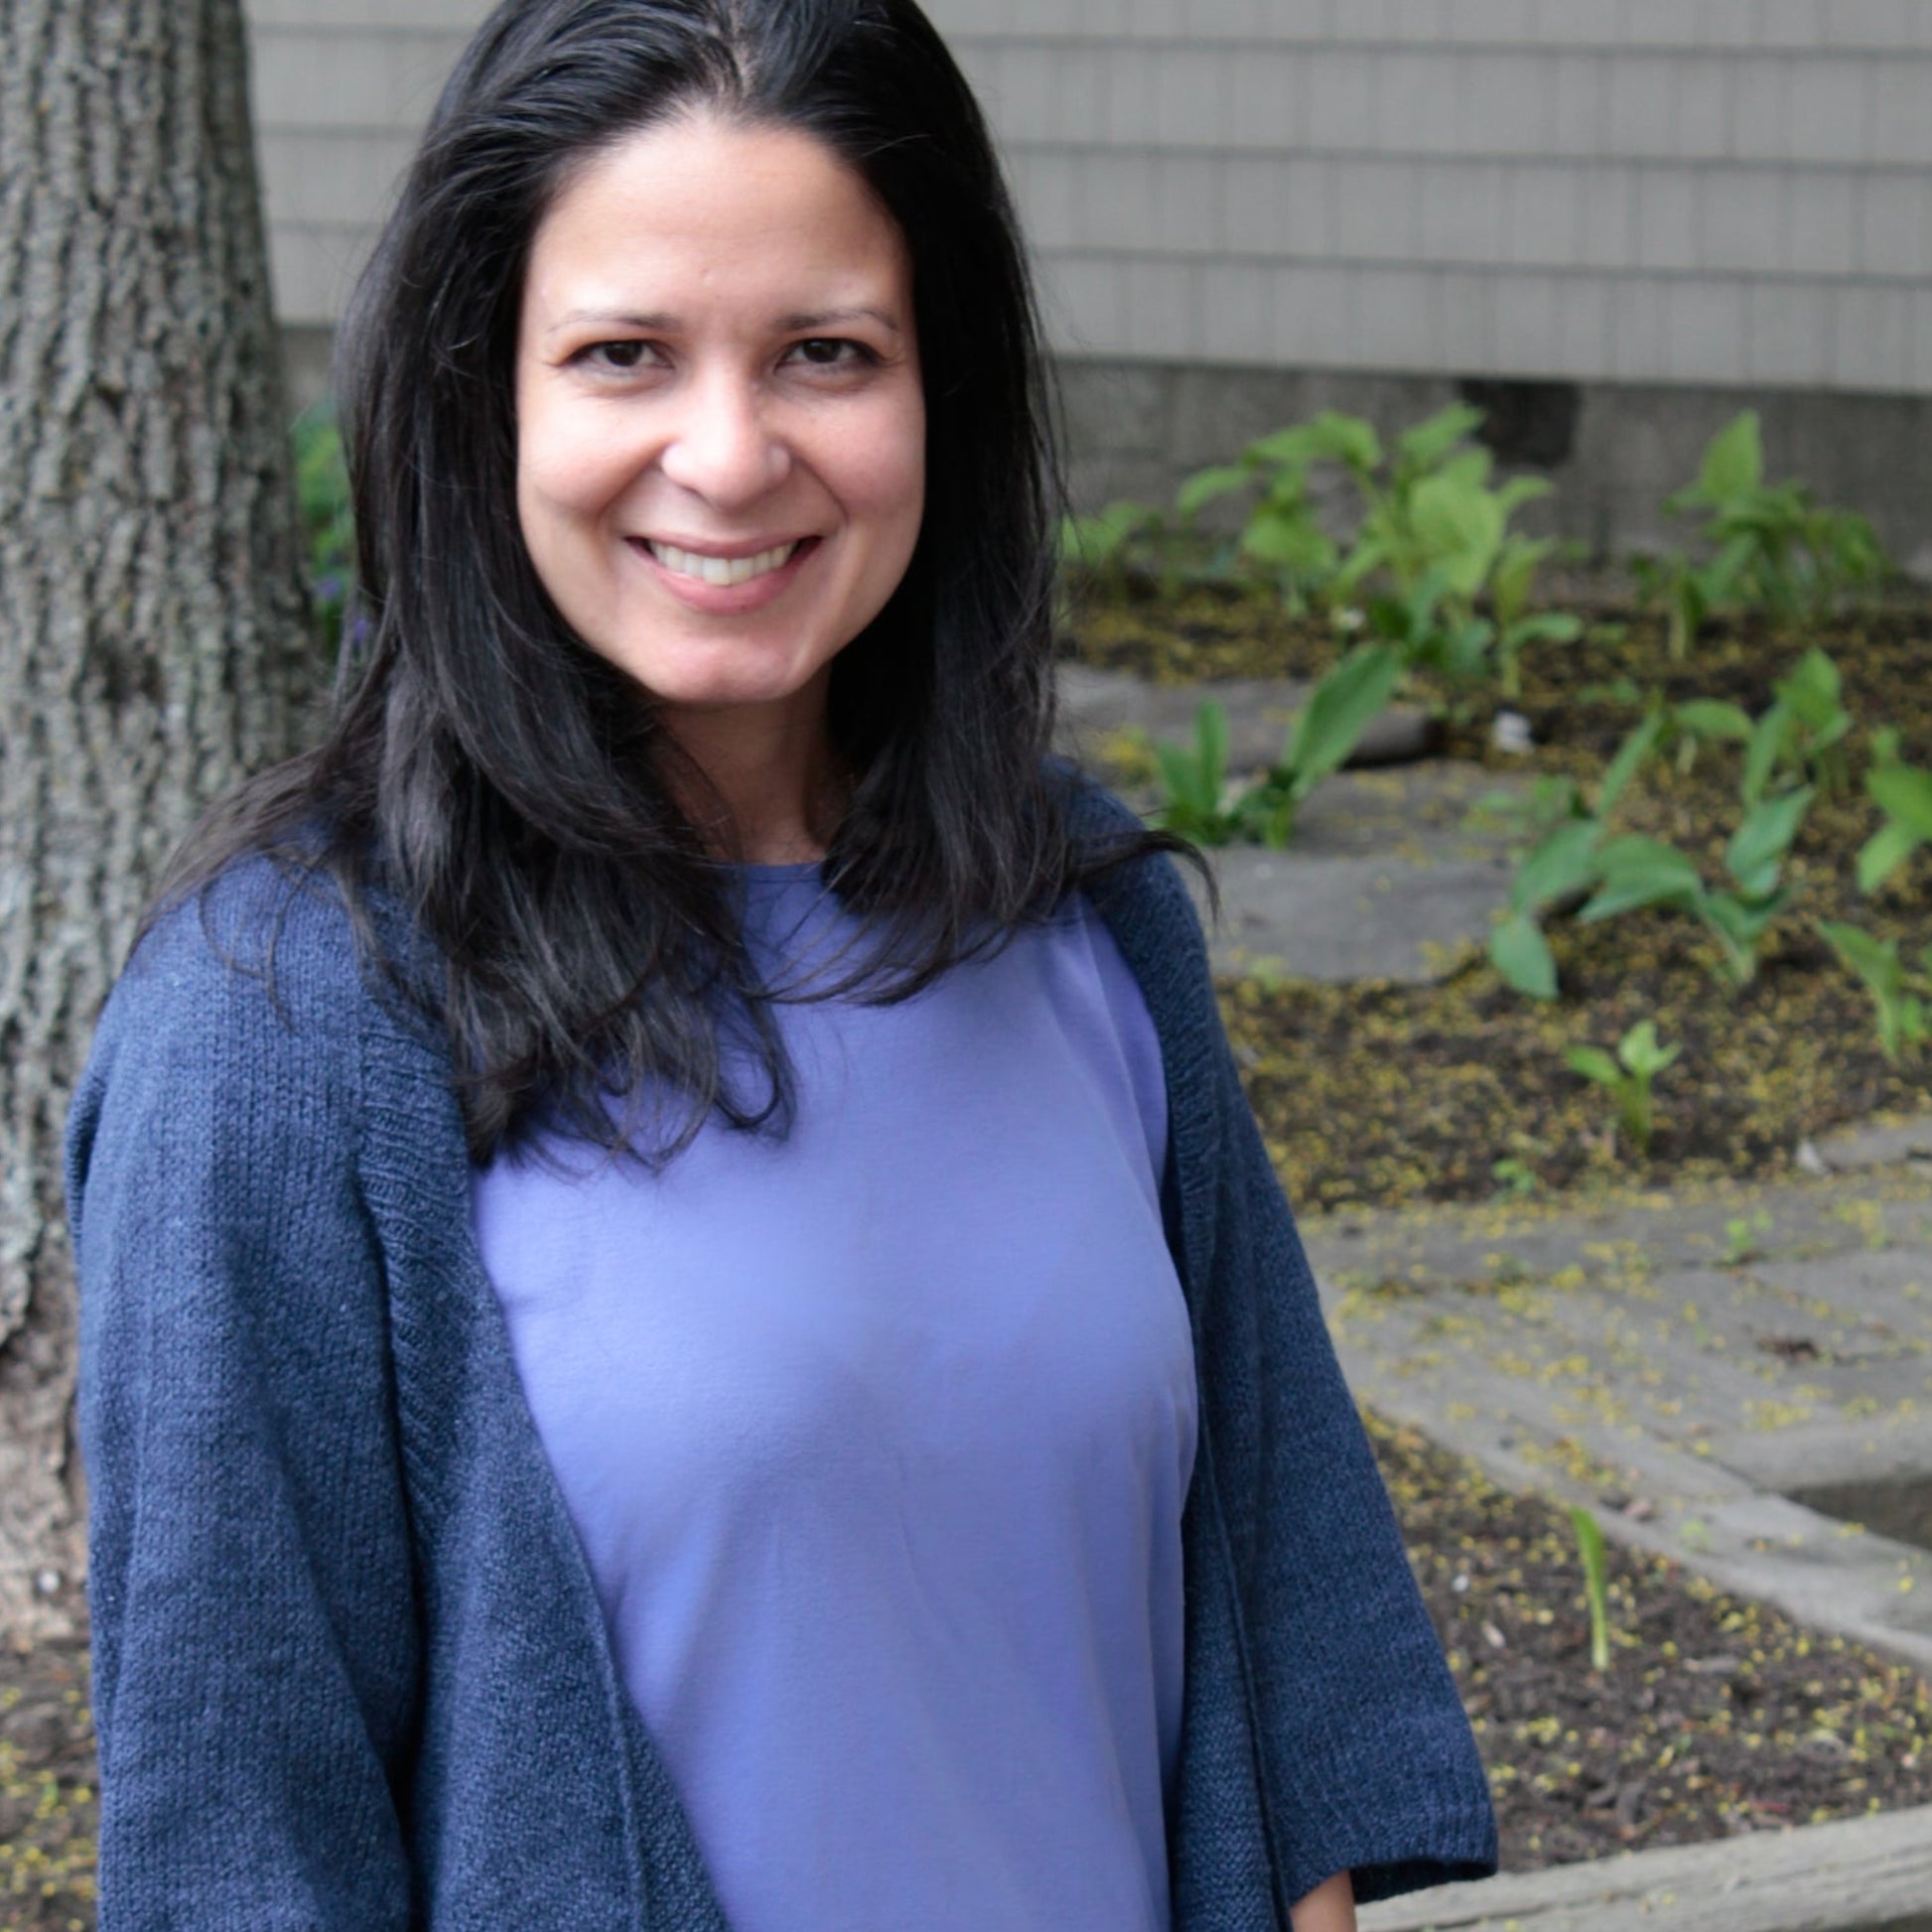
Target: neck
point(765, 785)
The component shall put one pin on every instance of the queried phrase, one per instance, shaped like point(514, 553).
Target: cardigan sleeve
point(1368, 1758)
point(253, 1616)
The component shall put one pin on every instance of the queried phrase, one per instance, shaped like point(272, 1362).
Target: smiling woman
point(718, 495)
point(684, 1323)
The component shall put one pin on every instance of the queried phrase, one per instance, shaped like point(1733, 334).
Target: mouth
point(722, 573)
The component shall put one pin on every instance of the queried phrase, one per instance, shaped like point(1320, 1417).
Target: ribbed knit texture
point(349, 1670)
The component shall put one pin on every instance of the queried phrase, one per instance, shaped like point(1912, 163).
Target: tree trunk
point(153, 644)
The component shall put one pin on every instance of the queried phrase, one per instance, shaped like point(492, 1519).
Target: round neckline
point(789, 868)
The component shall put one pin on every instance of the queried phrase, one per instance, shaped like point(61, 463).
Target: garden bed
point(1377, 1093)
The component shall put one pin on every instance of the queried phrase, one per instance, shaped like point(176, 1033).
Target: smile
point(721, 572)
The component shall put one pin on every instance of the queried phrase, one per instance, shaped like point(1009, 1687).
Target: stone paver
point(1610, 1356)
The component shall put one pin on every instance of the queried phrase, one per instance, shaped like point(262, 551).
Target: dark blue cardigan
point(350, 1672)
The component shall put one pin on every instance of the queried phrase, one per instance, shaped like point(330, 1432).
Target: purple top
point(878, 1440)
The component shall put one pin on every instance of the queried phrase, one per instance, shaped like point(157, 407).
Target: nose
point(721, 447)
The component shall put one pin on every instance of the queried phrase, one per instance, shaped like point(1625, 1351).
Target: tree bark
point(153, 640)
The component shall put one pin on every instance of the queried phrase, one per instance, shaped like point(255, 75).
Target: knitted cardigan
point(349, 1670)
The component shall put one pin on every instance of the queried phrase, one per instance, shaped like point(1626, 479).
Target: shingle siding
point(1694, 191)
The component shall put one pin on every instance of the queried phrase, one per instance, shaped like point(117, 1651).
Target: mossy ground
point(48, 1808)
point(1374, 1094)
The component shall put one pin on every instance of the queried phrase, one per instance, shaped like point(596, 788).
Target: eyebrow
point(668, 325)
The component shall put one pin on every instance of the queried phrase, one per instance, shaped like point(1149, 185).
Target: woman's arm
point(254, 1614)
point(1330, 1907)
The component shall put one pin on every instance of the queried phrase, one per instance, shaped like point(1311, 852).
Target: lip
point(726, 599)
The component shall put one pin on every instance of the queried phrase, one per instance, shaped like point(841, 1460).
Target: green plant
point(1773, 546)
point(1193, 779)
point(1280, 535)
point(1640, 1058)
point(1345, 701)
point(1597, 1587)
point(1903, 792)
point(1433, 531)
point(1565, 862)
point(329, 526)
point(1903, 1000)
point(1642, 872)
point(1514, 1176)
point(1802, 732)
point(1437, 529)
point(1744, 1237)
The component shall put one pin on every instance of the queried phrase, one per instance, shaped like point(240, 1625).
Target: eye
point(633, 353)
point(832, 352)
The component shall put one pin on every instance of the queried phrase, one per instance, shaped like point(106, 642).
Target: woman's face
point(720, 432)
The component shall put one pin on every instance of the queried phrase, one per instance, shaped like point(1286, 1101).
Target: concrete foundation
point(1614, 451)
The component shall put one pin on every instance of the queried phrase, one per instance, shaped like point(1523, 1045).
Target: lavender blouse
point(876, 1439)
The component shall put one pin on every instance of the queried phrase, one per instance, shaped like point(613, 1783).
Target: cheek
point(886, 471)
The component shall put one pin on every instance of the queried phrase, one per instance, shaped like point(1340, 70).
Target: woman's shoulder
point(244, 1010)
point(268, 943)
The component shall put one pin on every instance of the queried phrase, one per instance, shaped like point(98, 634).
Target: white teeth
point(720, 571)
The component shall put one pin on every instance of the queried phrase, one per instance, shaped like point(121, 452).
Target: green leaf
point(1596, 1589)
point(1205, 487)
point(1813, 687)
point(1546, 628)
point(1713, 719)
point(1181, 779)
point(1734, 462)
point(1429, 440)
point(1288, 542)
point(1640, 1050)
point(1564, 862)
point(1765, 835)
point(1883, 853)
point(1519, 490)
point(1873, 961)
point(1904, 794)
point(1460, 528)
point(1212, 742)
point(1770, 737)
point(1594, 1064)
point(1640, 872)
point(1520, 954)
point(1630, 755)
point(1345, 701)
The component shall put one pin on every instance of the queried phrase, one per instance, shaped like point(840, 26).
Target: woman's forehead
point(703, 209)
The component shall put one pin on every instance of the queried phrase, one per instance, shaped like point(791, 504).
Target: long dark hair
point(504, 783)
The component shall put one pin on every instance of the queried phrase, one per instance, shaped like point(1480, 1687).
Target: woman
point(684, 1321)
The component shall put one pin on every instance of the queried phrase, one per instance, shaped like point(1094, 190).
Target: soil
point(1715, 1716)
point(1377, 1093)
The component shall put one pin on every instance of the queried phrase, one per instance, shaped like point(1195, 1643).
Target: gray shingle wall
point(1728, 191)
